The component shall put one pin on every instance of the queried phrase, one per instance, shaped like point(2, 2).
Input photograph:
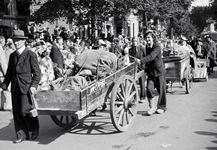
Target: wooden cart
point(118, 89)
point(200, 72)
point(178, 69)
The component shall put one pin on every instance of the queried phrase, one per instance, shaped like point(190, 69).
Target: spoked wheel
point(123, 103)
point(64, 121)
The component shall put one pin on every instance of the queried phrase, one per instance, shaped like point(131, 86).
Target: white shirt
point(21, 49)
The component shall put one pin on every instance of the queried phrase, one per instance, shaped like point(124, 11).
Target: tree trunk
point(93, 21)
point(171, 29)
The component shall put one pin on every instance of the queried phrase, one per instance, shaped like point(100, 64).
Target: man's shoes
point(142, 100)
point(151, 111)
point(18, 141)
point(35, 134)
point(160, 111)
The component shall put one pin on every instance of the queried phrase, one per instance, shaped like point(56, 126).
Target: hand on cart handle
point(33, 90)
point(137, 61)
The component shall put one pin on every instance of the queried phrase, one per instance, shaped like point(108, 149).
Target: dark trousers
point(160, 84)
point(211, 66)
point(23, 123)
point(142, 87)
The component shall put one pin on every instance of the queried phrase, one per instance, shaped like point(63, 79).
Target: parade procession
point(108, 74)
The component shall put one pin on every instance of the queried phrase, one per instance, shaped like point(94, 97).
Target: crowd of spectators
point(57, 52)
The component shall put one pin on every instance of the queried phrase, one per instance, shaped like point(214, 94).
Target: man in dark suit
point(57, 57)
point(24, 74)
point(156, 74)
point(138, 51)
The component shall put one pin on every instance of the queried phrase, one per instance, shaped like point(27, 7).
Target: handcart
point(178, 69)
point(118, 89)
point(200, 71)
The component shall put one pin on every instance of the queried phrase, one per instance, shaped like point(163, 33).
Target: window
point(23, 7)
point(2, 7)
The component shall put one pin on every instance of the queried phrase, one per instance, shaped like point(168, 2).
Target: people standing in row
point(156, 74)
point(24, 74)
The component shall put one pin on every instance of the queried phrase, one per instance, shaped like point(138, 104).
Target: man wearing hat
point(138, 51)
point(210, 48)
point(24, 74)
point(57, 57)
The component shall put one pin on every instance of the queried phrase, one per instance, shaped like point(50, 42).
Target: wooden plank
point(53, 111)
point(91, 93)
point(174, 58)
point(172, 70)
point(58, 99)
point(81, 102)
point(175, 68)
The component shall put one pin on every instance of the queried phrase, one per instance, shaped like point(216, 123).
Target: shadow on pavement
point(7, 133)
point(211, 148)
point(205, 133)
point(97, 125)
point(211, 120)
point(213, 75)
point(48, 131)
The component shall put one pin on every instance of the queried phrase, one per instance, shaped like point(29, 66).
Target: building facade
point(16, 13)
point(13, 14)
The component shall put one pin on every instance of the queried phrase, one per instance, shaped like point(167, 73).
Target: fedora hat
point(19, 34)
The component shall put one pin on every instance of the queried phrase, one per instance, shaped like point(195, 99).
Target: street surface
point(189, 124)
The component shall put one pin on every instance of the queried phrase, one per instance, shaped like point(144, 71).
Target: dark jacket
point(56, 56)
point(23, 71)
point(137, 51)
point(154, 61)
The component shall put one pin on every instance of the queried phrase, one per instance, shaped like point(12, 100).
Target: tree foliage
point(199, 15)
point(164, 10)
point(213, 10)
point(76, 11)
point(88, 11)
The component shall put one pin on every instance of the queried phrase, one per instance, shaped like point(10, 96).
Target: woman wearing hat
point(24, 74)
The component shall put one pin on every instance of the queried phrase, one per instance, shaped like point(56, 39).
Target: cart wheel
point(123, 103)
point(64, 121)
